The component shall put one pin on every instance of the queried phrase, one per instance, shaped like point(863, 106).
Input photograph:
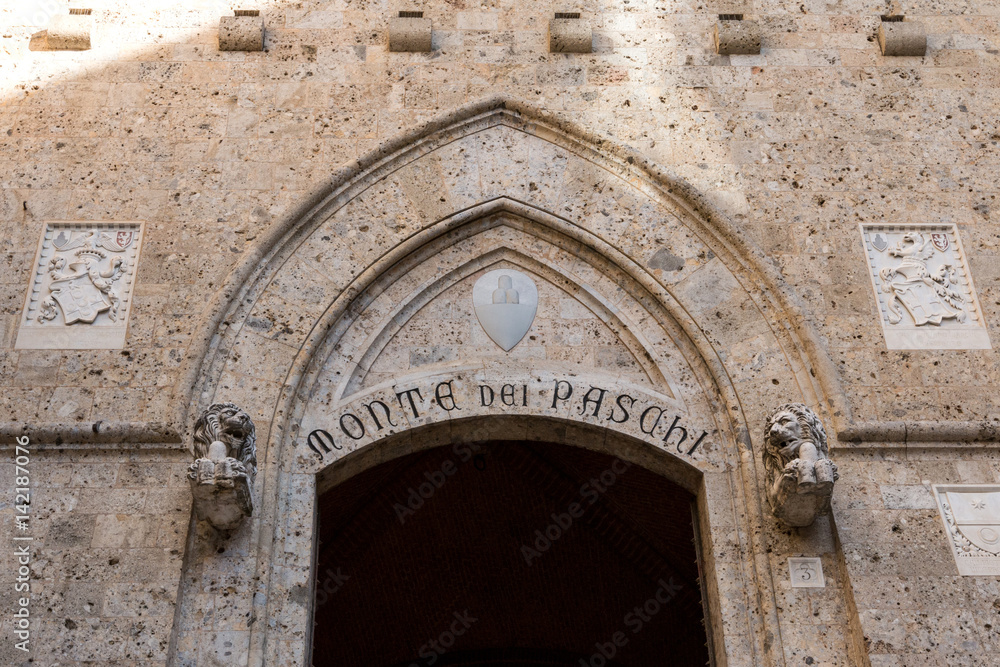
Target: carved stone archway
point(709, 343)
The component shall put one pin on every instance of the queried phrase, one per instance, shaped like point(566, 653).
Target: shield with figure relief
point(505, 303)
point(940, 241)
point(79, 299)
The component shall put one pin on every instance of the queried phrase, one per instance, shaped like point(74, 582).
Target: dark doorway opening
point(507, 553)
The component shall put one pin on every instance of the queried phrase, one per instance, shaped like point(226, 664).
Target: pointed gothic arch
point(290, 308)
point(228, 309)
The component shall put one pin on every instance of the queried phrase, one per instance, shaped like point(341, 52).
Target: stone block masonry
point(658, 191)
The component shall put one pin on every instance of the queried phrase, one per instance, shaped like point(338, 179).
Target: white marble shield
point(977, 517)
point(505, 303)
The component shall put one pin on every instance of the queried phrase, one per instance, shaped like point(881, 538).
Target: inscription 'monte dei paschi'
point(372, 417)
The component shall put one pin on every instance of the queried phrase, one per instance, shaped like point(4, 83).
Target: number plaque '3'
point(806, 572)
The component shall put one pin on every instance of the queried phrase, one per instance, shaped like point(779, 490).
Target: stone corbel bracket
point(410, 32)
point(568, 33)
point(225, 465)
point(799, 473)
point(897, 37)
point(70, 32)
point(242, 32)
point(735, 36)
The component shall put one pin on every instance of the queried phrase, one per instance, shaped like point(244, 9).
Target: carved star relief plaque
point(505, 303)
point(971, 516)
point(923, 288)
point(81, 289)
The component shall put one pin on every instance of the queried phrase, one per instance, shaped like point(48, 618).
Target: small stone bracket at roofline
point(242, 32)
point(568, 33)
point(70, 32)
point(735, 36)
point(897, 37)
point(410, 32)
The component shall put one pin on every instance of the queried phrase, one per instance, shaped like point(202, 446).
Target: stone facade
point(314, 218)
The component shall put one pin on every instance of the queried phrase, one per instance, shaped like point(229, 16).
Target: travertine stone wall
point(913, 606)
point(796, 146)
point(799, 144)
point(109, 532)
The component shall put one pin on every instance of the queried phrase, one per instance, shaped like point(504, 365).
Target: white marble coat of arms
point(81, 287)
point(923, 288)
point(971, 516)
point(83, 274)
point(505, 302)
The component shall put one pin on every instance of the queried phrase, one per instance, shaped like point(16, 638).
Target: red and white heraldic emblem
point(940, 241)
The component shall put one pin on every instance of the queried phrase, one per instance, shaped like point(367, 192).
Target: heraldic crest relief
point(971, 516)
point(928, 295)
point(923, 288)
point(83, 275)
point(82, 287)
point(505, 302)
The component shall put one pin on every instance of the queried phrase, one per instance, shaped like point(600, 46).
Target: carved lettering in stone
point(82, 287)
point(922, 285)
point(442, 397)
point(225, 449)
point(800, 474)
point(971, 516)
